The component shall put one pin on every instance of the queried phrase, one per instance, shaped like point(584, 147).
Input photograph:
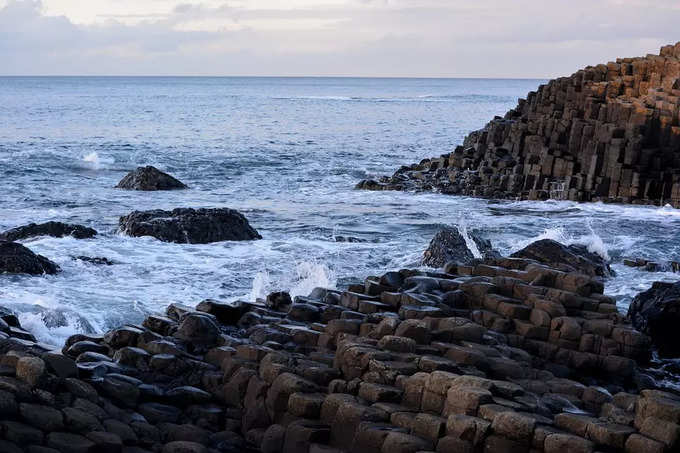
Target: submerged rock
point(17, 259)
point(54, 229)
point(187, 225)
point(95, 260)
point(149, 178)
point(572, 258)
point(449, 245)
point(657, 313)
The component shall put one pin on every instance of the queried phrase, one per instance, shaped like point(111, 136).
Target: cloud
point(492, 38)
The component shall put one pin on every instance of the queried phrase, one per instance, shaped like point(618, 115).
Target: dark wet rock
point(188, 225)
point(9, 317)
point(99, 261)
point(198, 329)
point(450, 245)
point(657, 313)
point(348, 239)
point(226, 313)
point(17, 259)
point(279, 300)
point(54, 229)
point(149, 178)
point(572, 258)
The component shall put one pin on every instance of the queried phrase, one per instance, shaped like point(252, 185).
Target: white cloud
point(491, 38)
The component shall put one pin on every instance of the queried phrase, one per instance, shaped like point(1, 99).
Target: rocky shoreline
point(608, 133)
point(495, 355)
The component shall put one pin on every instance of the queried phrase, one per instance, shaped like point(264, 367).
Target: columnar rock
point(609, 132)
point(149, 178)
point(187, 225)
point(498, 355)
point(54, 229)
point(17, 259)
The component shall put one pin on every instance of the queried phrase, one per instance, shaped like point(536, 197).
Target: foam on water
point(95, 162)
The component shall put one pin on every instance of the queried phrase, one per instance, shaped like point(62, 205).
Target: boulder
point(54, 229)
point(656, 312)
point(188, 225)
point(17, 259)
point(149, 178)
point(450, 245)
point(572, 258)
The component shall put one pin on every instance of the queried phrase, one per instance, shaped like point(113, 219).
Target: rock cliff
point(609, 132)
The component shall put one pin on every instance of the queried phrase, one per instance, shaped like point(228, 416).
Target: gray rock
point(17, 259)
point(54, 229)
point(149, 178)
point(450, 245)
point(572, 258)
point(188, 225)
point(199, 329)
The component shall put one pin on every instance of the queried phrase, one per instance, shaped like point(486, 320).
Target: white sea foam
point(300, 281)
point(472, 245)
point(94, 161)
point(593, 241)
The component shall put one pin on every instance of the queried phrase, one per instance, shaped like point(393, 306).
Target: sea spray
point(300, 281)
point(471, 244)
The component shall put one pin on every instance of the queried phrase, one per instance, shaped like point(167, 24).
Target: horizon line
point(278, 76)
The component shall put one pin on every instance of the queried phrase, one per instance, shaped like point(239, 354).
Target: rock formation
point(149, 178)
point(450, 245)
point(54, 229)
point(609, 132)
point(504, 355)
point(187, 225)
point(572, 258)
point(17, 259)
point(657, 313)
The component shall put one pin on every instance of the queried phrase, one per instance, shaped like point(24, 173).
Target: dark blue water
point(285, 151)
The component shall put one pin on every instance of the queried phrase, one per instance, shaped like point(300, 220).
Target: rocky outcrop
point(149, 178)
point(657, 313)
point(500, 355)
point(17, 259)
point(571, 258)
point(609, 132)
point(187, 225)
point(54, 229)
point(450, 245)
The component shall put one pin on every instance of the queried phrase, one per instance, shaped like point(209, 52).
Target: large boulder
point(656, 312)
point(54, 229)
point(572, 258)
point(450, 245)
point(17, 259)
point(149, 178)
point(187, 225)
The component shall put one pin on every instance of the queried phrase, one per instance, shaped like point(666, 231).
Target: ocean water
point(286, 152)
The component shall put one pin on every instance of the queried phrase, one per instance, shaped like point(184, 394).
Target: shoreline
point(409, 360)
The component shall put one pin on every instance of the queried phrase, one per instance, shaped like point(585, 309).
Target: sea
point(287, 152)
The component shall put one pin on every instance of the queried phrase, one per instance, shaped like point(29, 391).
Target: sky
point(372, 38)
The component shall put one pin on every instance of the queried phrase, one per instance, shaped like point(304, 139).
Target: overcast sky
point(421, 38)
